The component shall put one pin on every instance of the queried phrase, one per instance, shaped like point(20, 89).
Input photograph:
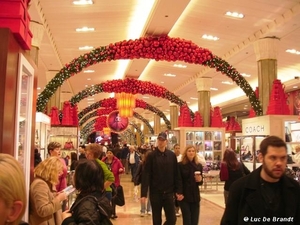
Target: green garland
point(158, 48)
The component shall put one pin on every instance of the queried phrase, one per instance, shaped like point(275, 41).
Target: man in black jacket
point(267, 195)
point(162, 177)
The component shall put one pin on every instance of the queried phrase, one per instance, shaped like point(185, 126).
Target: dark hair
point(53, 145)
point(231, 160)
point(271, 141)
point(88, 177)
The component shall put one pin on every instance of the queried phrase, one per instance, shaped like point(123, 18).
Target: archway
point(158, 48)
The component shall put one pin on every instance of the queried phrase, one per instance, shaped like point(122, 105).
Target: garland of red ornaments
point(111, 102)
point(158, 48)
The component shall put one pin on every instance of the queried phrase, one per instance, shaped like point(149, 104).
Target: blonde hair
point(49, 170)
point(95, 149)
point(12, 185)
point(185, 159)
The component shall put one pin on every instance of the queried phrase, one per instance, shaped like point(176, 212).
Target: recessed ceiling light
point(210, 37)
point(193, 98)
point(91, 102)
point(83, 2)
point(214, 89)
point(227, 82)
point(245, 75)
point(86, 48)
point(90, 99)
point(89, 71)
point(85, 29)
point(39, 88)
point(180, 65)
point(234, 14)
point(86, 85)
point(169, 75)
point(145, 97)
point(188, 102)
point(88, 78)
point(162, 82)
point(295, 87)
point(293, 51)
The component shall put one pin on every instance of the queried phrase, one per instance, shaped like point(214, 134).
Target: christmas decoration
point(54, 115)
point(232, 125)
point(158, 48)
point(184, 118)
point(252, 112)
point(111, 102)
point(198, 121)
point(278, 100)
point(216, 119)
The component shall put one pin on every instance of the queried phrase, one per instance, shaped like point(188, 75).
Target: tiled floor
point(212, 206)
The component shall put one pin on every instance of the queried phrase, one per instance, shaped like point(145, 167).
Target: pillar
point(173, 115)
point(203, 85)
point(156, 124)
point(37, 30)
point(266, 56)
point(137, 134)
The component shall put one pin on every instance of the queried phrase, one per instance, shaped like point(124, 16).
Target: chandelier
point(125, 104)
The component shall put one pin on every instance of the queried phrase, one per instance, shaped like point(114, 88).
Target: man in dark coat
point(267, 195)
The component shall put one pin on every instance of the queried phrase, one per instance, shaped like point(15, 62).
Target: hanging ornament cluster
point(232, 124)
point(278, 100)
point(125, 104)
point(100, 123)
point(54, 115)
point(216, 117)
point(184, 118)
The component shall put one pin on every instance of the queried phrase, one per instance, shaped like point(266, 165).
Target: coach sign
point(267, 125)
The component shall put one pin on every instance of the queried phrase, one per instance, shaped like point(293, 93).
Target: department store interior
point(211, 74)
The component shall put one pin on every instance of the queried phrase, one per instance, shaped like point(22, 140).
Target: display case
point(173, 138)
point(209, 141)
point(68, 137)
point(42, 133)
point(292, 134)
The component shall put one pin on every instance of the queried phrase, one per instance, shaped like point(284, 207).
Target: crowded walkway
point(210, 213)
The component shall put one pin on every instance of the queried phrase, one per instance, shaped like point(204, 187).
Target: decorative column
point(173, 115)
point(203, 85)
point(266, 50)
point(37, 30)
point(156, 124)
point(55, 98)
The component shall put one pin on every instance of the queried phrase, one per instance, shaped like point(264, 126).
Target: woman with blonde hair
point(191, 175)
point(12, 191)
point(45, 202)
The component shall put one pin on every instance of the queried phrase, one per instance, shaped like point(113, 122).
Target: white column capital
point(266, 48)
point(172, 104)
point(203, 83)
point(37, 30)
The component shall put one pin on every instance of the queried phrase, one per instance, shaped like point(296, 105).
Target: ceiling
point(117, 20)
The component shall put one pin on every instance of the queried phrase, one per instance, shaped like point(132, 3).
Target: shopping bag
point(118, 195)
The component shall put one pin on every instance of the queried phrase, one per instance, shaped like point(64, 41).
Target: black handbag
point(288, 135)
point(117, 195)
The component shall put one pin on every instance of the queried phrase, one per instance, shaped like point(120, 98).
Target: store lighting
point(169, 75)
point(245, 75)
point(180, 66)
point(235, 14)
point(293, 51)
point(214, 89)
point(83, 2)
point(227, 82)
point(210, 37)
point(89, 71)
point(86, 48)
point(85, 29)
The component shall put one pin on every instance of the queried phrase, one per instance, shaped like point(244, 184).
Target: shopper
point(124, 153)
point(133, 158)
point(161, 175)
point(45, 201)
point(93, 152)
point(12, 191)
point(267, 195)
point(54, 149)
point(82, 152)
point(234, 170)
point(37, 157)
point(91, 206)
point(191, 174)
point(179, 158)
point(116, 167)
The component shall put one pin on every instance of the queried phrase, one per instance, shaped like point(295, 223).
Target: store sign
point(255, 126)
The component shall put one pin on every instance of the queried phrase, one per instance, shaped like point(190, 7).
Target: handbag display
point(69, 145)
point(288, 135)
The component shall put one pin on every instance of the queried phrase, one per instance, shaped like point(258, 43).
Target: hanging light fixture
point(125, 104)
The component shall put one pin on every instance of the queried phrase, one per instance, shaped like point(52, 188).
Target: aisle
point(210, 213)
